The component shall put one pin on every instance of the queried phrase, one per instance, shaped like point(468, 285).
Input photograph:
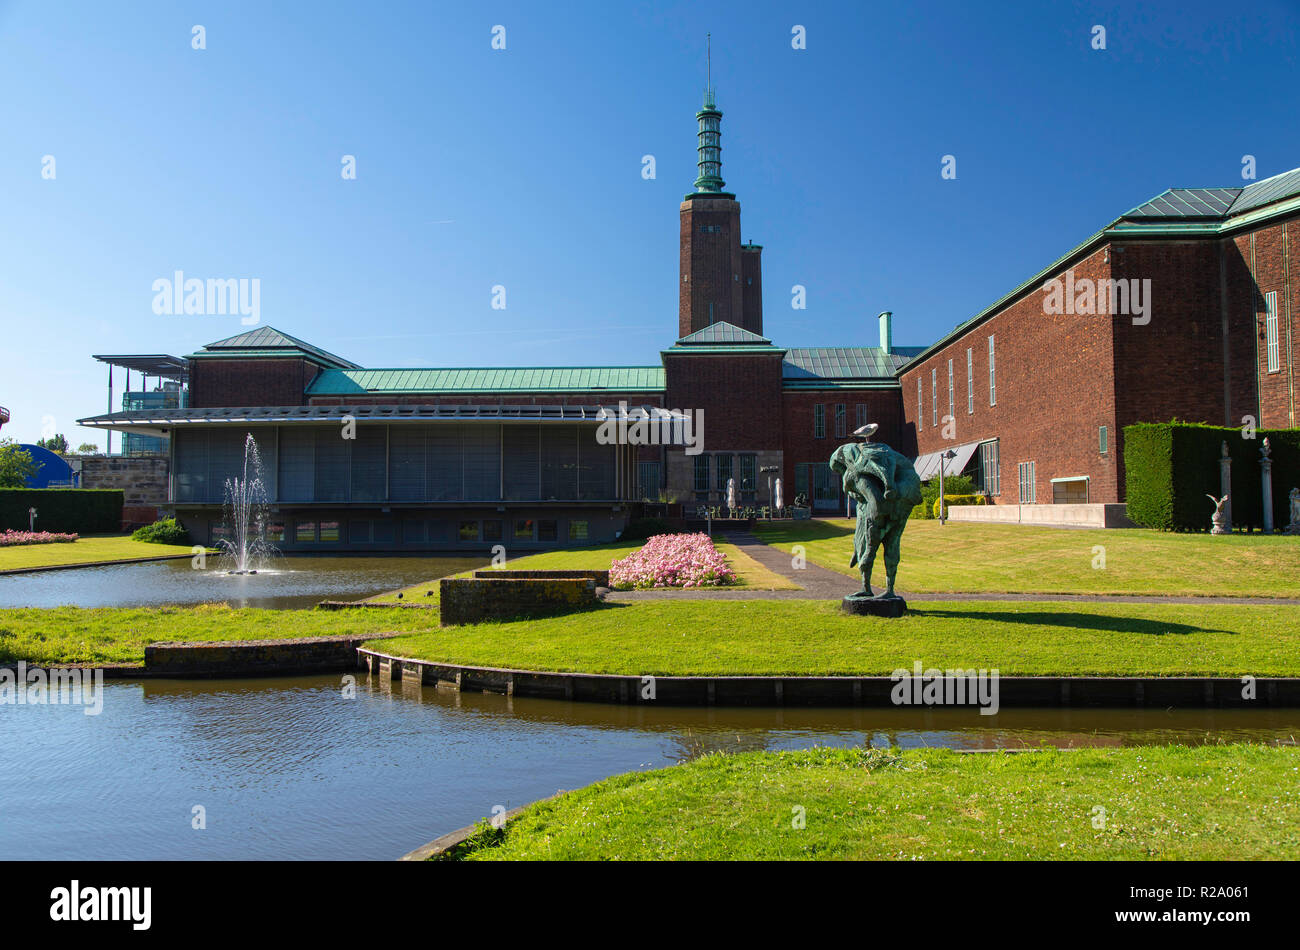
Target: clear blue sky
point(522, 167)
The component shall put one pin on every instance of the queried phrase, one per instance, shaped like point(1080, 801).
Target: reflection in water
point(290, 768)
point(288, 582)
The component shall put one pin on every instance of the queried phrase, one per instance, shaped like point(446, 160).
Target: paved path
point(820, 583)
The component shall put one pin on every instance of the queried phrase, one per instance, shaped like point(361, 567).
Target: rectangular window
point(990, 470)
point(841, 420)
point(802, 478)
point(648, 478)
point(819, 421)
point(546, 529)
point(748, 477)
point(492, 530)
point(1103, 438)
point(275, 531)
point(862, 415)
point(578, 530)
point(970, 380)
point(414, 532)
point(1028, 493)
point(934, 396)
point(1270, 330)
point(523, 529)
point(702, 473)
point(468, 531)
point(359, 531)
point(724, 471)
point(993, 383)
point(329, 530)
point(304, 531)
point(950, 404)
point(920, 405)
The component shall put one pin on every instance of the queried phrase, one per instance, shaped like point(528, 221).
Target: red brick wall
point(751, 276)
point(883, 408)
point(740, 395)
point(217, 383)
point(710, 265)
point(1055, 388)
point(1266, 256)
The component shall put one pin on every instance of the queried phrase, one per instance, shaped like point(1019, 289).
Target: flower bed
point(11, 538)
point(672, 560)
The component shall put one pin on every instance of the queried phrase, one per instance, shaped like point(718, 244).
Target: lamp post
point(943, 508)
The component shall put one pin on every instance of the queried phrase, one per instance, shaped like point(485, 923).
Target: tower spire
point(710, 135)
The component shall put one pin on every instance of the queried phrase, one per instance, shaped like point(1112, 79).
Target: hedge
point(83, 510)
point(1171, 466)
point(952, 500)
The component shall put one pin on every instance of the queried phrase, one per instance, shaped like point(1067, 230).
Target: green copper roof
point(819, 363)
point(268, 341)
point(503, 379)
point(722, 332)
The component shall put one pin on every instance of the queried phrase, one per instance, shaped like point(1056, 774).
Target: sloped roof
point(724, 333)
point(268, 341)
point(500, 379)
point(843, 362)
point(1267, 191)
point(1187, 203)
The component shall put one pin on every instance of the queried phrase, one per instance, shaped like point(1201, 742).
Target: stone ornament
point(1219, 520)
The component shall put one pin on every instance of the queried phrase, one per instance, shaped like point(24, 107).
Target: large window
point(950, 404)
point(724, 471)
point(862, 415)
point(647, 476)
point(748, 478)
point(819, 421)
point(701, 473)
point(993, 384)
point(934, 396)
point(920, 405)
point(841, 420)
point(1270, 331)
point(990, 472)
point(1028, 493)
point(970, 380)
point(523, 529)
point(467, 531)
point(1103, 440)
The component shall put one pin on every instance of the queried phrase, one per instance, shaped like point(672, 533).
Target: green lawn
point(101, 547)
point(750, 575)
point(1216, 803)
point(995, 558)
point(119, 634)
point(806, 637)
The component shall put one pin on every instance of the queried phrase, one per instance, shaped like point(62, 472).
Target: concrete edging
point(846, 691)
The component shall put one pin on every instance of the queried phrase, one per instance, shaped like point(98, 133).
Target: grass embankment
point(994, 558)
point(96, 548)
point(120, 634)
point(1214, 803)
point(750, 575)
point(773, 637)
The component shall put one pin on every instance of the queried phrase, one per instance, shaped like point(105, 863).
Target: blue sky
point(522, 167)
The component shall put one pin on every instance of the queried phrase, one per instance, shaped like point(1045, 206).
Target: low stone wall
point(600, 577)
point(475, 599)
point(256, 657)
point(1066, 516)
point(142, 479)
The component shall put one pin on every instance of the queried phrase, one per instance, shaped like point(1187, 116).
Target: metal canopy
point(927, 466)
point(151, 364)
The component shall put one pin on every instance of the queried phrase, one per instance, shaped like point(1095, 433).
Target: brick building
point(1181, 307)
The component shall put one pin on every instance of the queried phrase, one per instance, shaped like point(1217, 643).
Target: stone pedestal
point(874, 606)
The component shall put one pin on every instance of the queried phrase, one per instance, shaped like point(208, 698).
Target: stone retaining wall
point(600, 577)
point(475, 599)
point(256, 657)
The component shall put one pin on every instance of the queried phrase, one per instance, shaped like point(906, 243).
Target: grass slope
point(84, 550)
point(993, 558)
point(1165, 802)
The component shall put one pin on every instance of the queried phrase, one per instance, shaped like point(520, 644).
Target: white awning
point(927, 466)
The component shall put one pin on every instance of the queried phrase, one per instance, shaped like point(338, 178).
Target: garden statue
point(886, 488)
point(1294, 498)
point(1219, 519)
point(731, 497)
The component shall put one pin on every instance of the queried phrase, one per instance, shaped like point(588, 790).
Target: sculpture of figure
point(1294, 498)
point(1219, 518)
point(886, 488)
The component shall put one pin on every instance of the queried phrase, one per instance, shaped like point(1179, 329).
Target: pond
point(290, 582)
point(292, 768)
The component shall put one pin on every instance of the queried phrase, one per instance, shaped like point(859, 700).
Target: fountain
point(246, 515)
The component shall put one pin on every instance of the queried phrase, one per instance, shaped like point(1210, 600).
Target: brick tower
point(721, 279)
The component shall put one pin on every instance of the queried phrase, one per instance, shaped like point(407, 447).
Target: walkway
point(820, 583)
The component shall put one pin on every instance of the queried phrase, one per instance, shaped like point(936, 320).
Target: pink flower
point(672, 560)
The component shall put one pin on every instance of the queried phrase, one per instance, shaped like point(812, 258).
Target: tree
point(16, 464)
point(56, 443)
point(87, 448)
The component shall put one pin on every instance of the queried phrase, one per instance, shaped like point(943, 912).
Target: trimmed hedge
point(82, 510)
point(1171, 466)
point(951, 500)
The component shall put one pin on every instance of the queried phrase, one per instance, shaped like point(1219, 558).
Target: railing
point(4, 415)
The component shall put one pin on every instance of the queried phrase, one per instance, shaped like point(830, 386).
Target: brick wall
point(740, 395)
point(883, 407)
point(710, 265)
point(217, 383)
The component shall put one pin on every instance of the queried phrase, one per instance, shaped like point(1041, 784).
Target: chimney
point(886, 331)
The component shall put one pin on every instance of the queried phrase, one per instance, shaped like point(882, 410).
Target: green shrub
point(952, 485)
point(1171, 466)
point(79, 510)
point(968, 499)
point(165, 531)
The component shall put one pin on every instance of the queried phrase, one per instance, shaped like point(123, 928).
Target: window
point(578, 530)
point(748, 474)
point(329, 530)
point(990, 471)
point(993, 385)
point(802, 478)
point(359, 531)
point(304, 531)
point(1070, 491)
point(920, 405)
point(468, 531)
point(275, 531)
point(414, 532)
point(1102, 439)
point(546, 529)
point(970, 380)
point(702, 473)
point(492, 530)
point(841, 420)
point(1027, 482)
point(724, 471)
point(862, 415)
point(523, 529)
point(819, 421)
point(950, 388)
point(934, 396)
point(647, 474)
point(1270, 330)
